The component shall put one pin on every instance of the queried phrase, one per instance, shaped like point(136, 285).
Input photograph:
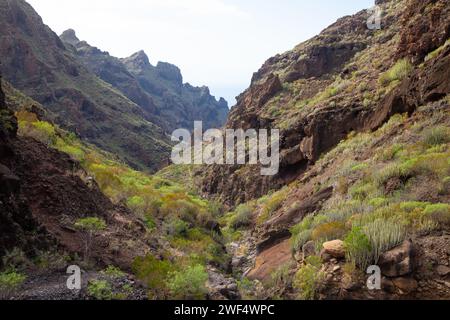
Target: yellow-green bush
point(188, 284)
point(358, 248)
point(100, 290)
point(440, 213)
point(154, 273)
point(329, 231)
point(397, 73)
point(39, 130)
point(309, 279)
point(10, 282)
point(272, 204)
point(437, 136)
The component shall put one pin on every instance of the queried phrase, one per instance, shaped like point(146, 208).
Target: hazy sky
point(218, 43)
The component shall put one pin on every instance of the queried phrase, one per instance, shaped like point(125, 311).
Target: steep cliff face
point(36, 62)
point(16, 223)
point(159, 89)
point(333, 84)
point(43, 192)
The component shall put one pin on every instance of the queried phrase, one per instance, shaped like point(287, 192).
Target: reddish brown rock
point(270, 260)
point(398, 261)
point(406, 285)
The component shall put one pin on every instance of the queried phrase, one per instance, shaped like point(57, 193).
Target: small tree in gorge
point(89, 227)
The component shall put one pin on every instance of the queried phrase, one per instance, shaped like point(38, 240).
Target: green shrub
point(436, 136)
point(10, 282)
point(329, 231)
point(358, 248)
point(439, 213)
point(177, 228)
point(362, 190)
point(359, 167)
point(383, 235)
point(309, 279)
point(300, 239)
point(444, 188)
point(6, 122)
point(272, 204)
point(154, 273)
point(401, 171)
point(242, 217)
point(426, 226)
point(436, 52)
point(75, 152)
point(246, 288)
point(413, 205)
point(390, 153)
point(49, 260)
point(90, 224)
point(39, 130)
point(189, 284)
point(378, 202)
point(114, 272)
point(397, 73)
point(150, 222)
point(305, 224)
point(281, 277)
point(100, 290)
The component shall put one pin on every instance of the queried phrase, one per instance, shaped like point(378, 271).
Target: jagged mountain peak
point(137, 61)
point(69, 36)
point(158, 90)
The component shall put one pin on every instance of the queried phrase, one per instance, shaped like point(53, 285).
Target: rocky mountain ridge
point(159, 89)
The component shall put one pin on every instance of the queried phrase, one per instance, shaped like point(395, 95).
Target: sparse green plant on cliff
point(437, 136)
point(309, 279)
point(10, 282)
point(100, 290)
point(397, 73)
point(299, 240)
point(433, 54)
point(440, 213)
point(242, 217)
point(272, 204)
point(358, 248)
point(113, 272)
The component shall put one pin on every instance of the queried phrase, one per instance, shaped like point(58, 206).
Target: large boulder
point(398, 262)
point(334, 248)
